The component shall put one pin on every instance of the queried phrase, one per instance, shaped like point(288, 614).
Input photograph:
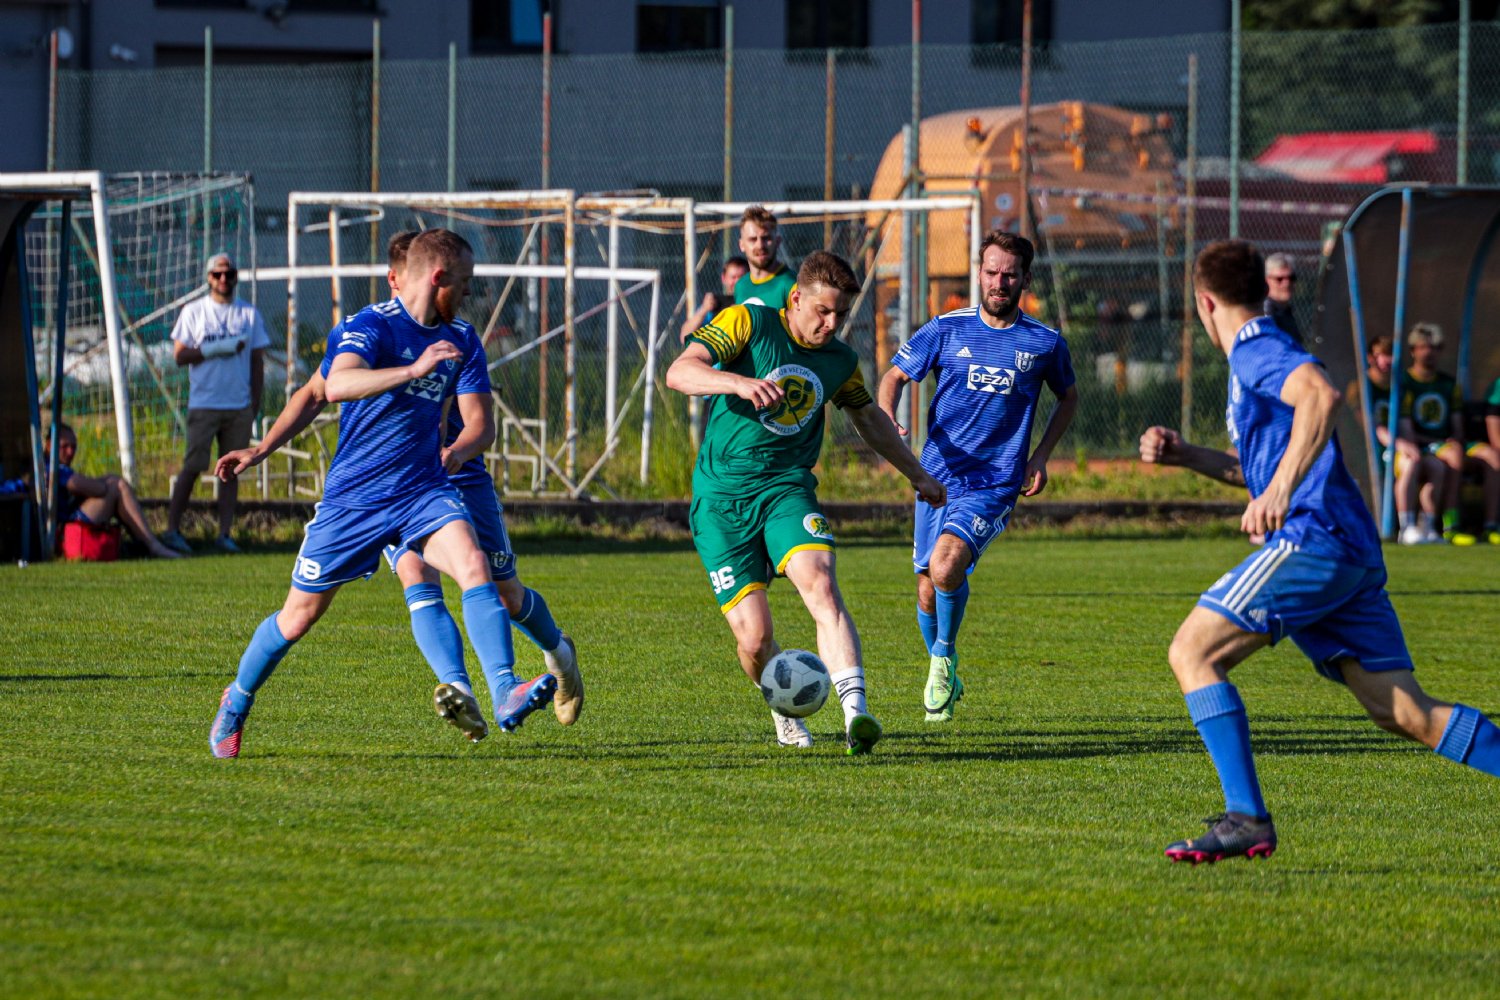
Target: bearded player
point(991, 363)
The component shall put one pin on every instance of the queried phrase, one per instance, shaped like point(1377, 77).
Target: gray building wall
point(131, 35)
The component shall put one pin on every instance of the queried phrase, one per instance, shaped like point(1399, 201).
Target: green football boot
point(944, 689)
point(864, 732)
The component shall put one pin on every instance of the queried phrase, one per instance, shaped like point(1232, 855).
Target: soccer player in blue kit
point(991, 362)
point(1319, 578)
point(393, 366)
point(432, 626)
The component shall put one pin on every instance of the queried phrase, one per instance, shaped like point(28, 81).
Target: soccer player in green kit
point(754, 512)
point(769, 281)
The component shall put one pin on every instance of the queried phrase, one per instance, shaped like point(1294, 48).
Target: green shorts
point(743, 542)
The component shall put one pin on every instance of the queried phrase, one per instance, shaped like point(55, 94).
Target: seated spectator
point(1421, 479)
point(1281, 286)
point(1432, 415)
point(95, 501)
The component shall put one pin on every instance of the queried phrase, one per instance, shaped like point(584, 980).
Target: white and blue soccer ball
point(795, 683)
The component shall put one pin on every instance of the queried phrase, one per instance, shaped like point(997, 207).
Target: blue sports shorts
point(976, 517)
point(489, 525)
point(344, 543)
point(1330, 609)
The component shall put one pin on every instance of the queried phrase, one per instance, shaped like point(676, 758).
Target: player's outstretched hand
point(231, 464)
point(435, 355)
point(1034, 479)
point(1161, 446)
point(761, 392)
point(929, 490)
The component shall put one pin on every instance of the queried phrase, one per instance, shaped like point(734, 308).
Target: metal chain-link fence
point(1131, 145)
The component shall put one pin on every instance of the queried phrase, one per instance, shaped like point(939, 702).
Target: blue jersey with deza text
point(474, 472)
point(389, 444)
point(1327, 516)
point(988, 383)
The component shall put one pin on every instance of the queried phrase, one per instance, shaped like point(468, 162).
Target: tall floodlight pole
point(913, 170)
point(208, 100)
point(542, 349)
point(374, 143)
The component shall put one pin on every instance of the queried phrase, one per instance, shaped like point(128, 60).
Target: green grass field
point(665, 847)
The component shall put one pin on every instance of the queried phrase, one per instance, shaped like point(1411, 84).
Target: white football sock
point(850, 685)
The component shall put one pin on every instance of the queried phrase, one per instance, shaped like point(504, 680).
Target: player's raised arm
point(879, 432)
point(1314, 402)
point(1165, 446)
point(300, 410)
point(694, 374)
point(351, 376)
point(888, 395)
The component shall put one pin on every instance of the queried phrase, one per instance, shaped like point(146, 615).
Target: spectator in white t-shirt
point(222, 340)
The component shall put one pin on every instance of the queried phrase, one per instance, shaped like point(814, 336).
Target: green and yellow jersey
point(772, 291)
point(1431, 403)
point(746, 450)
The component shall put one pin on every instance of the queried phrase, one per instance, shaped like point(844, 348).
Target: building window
point(505, 26)
point(828, 24)
point(998, 22)
point(667, 27)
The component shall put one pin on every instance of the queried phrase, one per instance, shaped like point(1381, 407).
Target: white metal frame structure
point(90, 184)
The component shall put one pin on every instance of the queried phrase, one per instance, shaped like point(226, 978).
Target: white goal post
point(78, 186)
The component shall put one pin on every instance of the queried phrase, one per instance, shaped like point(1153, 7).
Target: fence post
point(452, 119)
point(544, 348)
point(728, 121)
point(1189, 236)
point(374, 144)
point(52, 104)
point(1025, 225)
point(828, 141)
point(1234, 119)
point(208, 99)
point(1463, 90)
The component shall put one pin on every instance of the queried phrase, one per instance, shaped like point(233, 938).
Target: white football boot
point(791, 732)
point(562, 663)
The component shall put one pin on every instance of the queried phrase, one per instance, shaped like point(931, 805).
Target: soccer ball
point(795, 683)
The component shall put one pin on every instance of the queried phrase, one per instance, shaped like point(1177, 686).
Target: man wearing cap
point(221, 339)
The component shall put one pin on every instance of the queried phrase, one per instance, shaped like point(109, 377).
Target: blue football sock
point(436, 633)
point(1471, 739)
point(1220, 716)
point(950, 614)
point(267, 647)
point(927, 624)
point(535, 621)
point(489, 633)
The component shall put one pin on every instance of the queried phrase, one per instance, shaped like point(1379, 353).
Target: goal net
point(162, 229)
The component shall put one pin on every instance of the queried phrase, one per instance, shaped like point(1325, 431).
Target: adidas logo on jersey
point(964, 352)
point(407, 354)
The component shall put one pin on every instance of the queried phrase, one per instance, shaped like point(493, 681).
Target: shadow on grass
point(50, 678)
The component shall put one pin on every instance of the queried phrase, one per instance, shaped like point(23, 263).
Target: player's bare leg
point(1207, 646)
point(942, 591)
point(812, 573)
point(1397, 703)
point(272, 640)
point(755, 645)
point(454, 551)
point(119, 501)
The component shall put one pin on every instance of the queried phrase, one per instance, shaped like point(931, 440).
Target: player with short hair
point(755, 513)
point(1432, 414)
point(434, 629)
point(394, 365)
point(769, 281)
point(1319, 579)
point(991, 362)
